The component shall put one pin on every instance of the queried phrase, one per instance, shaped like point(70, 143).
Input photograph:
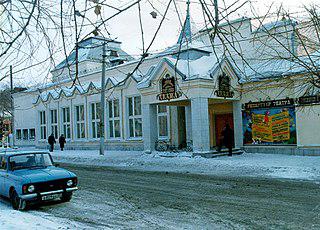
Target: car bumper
point(34, 196)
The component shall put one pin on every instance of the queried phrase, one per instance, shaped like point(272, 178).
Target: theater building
point(179, 99)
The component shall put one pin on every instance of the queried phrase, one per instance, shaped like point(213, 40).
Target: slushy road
point(121, 199)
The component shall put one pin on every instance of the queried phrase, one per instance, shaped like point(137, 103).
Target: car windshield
point(30, 160)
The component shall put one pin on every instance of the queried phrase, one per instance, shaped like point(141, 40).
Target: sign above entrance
point(224, 87)
point(168, 89)
point(270, 104)
point(309, 99)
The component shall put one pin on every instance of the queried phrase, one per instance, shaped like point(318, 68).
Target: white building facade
point(180, 99)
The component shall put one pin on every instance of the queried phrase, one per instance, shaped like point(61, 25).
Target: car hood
point(43, 174)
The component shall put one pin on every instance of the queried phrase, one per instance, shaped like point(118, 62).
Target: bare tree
point(5, 102)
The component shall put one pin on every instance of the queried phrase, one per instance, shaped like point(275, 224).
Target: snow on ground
point(15, 220)
point(261, 165)
point(251, 165)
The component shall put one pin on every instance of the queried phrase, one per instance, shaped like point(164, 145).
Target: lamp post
point(12, 107)
point(103, 99)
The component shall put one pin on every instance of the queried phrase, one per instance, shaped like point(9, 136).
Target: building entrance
point(221, 113)
point(220, 122)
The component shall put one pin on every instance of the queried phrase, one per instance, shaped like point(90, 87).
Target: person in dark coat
point(51, 141)
point(228, 138)
point(62, 141)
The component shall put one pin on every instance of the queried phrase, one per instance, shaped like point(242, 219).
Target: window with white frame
point(54, 122)
point(114, 119)
point(162, 117)
point(95, 109)
point(80, 126)
point(135, 118)
point(43, 126)
point(66, 126)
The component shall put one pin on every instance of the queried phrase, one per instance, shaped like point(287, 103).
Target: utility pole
point(103, 99)
point(12, 108)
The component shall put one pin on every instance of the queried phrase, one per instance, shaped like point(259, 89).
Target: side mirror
point(56, 164)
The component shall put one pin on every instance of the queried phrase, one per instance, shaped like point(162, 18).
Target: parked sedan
point(31, 177)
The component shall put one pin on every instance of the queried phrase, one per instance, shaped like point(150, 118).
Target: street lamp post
point(103, 99)
point(12, 107)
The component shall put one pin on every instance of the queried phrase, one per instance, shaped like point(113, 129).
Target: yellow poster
point(272, 128)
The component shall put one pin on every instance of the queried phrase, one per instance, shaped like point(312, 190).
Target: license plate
point(52, 197)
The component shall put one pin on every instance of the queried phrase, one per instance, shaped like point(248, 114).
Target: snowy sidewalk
point(18, 220)
point(251, 165)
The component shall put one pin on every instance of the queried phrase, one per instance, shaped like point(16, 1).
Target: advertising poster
point(269, 126)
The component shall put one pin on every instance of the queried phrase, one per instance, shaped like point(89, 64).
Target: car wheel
point(66, 197)
point(16, 202)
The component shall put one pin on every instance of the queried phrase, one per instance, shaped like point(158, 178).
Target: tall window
point(54, 122)
point(18, 134)
point(135, 118)
point(32, 134)
point(95, 119)
point(114, 118)
point(43, 128)
point(162, 121)
point(66, 128)
point(80, 128)
point(25, 134)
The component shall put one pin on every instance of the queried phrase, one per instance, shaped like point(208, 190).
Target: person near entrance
point(51, 141)
point(227, 139)
point(62, 141)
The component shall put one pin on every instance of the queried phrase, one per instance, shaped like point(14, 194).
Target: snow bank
point(15, 220)
point(252, 165)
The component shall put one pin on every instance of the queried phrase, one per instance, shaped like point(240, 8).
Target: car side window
point(3, 163)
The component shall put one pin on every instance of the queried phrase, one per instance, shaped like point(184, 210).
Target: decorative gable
point(168, 87)
point(163, 67)
point(224, 86)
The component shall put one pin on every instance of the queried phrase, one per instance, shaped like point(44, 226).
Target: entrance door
point(220, 121)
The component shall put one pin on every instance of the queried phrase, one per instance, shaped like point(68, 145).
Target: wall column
point(174, 126)
point(200, 125)
point(188, 123)
point(237, 123)
point(149, 127)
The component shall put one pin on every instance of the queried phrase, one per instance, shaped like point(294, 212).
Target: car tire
point(66, 197)
point(16, 202)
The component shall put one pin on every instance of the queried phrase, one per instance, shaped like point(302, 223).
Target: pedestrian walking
point(226, 139)
point(62, 141)
point(51, 141)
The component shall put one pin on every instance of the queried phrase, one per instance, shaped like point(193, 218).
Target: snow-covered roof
point(228, 23)
point(273, 25)
point(274, 68)
point(186, 46)
point(66, 91)
point(203, 68)
point(84, 88)
point(91, 50)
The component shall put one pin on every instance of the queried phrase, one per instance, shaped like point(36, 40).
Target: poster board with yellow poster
point(269, 126)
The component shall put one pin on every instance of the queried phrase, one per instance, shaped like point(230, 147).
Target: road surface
point(121, 199)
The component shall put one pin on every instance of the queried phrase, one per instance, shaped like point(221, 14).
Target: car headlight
point(69, 183)
point(31, 188)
